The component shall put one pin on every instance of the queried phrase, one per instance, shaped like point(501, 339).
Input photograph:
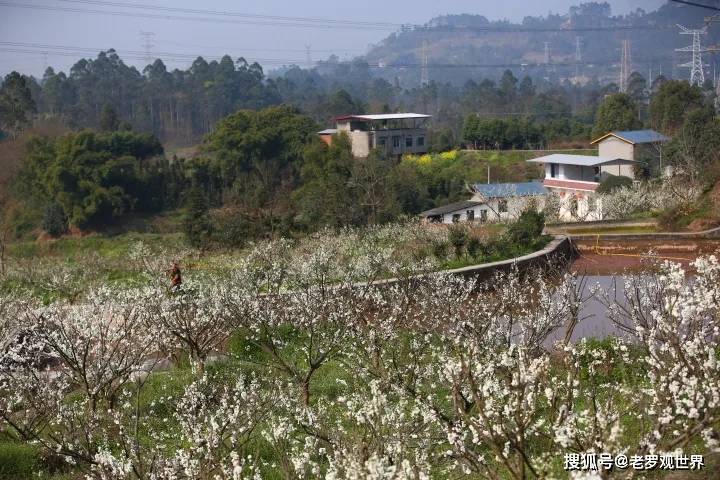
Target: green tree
point(255, 159)
point(55, 220)
point(94, 177)
point(109, 121)
point(196, 222)
point(637, 86)
point(527, 229)
point(16, 104)
point(369, 187)
point(616, 112)
point(674, 98)
point(323, 198)
point(342, 103)
point(695, 147)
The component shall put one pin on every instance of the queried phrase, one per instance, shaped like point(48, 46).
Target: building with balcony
point(393, 133)
point(574, 178)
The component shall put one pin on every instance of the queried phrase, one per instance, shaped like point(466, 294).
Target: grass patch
point(18, 461)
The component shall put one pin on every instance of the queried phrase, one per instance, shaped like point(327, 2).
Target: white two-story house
point(574, 178)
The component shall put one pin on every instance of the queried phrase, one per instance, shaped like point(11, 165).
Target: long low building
point(492, 202)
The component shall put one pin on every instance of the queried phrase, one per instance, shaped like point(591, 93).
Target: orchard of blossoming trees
point(290, 368)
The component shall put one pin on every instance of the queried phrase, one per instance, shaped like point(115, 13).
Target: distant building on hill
point(492, 202)
point(394, 133)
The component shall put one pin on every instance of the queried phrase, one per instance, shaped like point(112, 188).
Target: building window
point(421, 141)
point(553, 170)
point(502, 206)
point(483, 216)
point(396, 141)
point(470, 215)
point(408, 142)
point(382, 141)
point(456, 217)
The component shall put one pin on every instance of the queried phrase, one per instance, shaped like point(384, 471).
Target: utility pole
point(625, 66)
point(546, 56)
point(147, 45)
point(697, 75)
point(424, 73)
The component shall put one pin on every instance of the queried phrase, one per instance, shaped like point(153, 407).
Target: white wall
point(360, 143)
point(613, 147)
point(515, 206)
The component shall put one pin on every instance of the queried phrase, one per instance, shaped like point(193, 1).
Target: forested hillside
point(458, 46)
point(559, 99)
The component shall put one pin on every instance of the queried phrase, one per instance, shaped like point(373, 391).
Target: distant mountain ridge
point(464, 46)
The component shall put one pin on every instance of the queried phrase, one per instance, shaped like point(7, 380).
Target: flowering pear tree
point(676, 322)
point(206, 434)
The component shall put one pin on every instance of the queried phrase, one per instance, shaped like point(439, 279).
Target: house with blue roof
point(571, 179)
point(491, 202)
point(574, 178)
point(641, 146)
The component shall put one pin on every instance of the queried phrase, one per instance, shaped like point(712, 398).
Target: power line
point(230, 13)
point(695, 4)
point(146, 15)
point(303, 22)
point(294, 50)
point(75, 51)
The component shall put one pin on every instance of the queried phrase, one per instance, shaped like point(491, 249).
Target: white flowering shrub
point(323, 376)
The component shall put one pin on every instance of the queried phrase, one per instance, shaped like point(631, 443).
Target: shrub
point(231, 228)
point(527, 229)
point(614, 182)
point(473, 246)
point(440, 250)
point(55, 222)
point(458, 236)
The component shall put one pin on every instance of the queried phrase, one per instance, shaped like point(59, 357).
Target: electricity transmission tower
point(625, 66)
point(697, 76)
point(424, 73)
point(308, 56)
point(578, 55)
point(147, 45)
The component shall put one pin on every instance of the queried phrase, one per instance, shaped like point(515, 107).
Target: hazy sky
point(45, 29)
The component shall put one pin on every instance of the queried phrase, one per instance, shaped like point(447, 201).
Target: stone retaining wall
point(560, 250)
point(713, 233)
